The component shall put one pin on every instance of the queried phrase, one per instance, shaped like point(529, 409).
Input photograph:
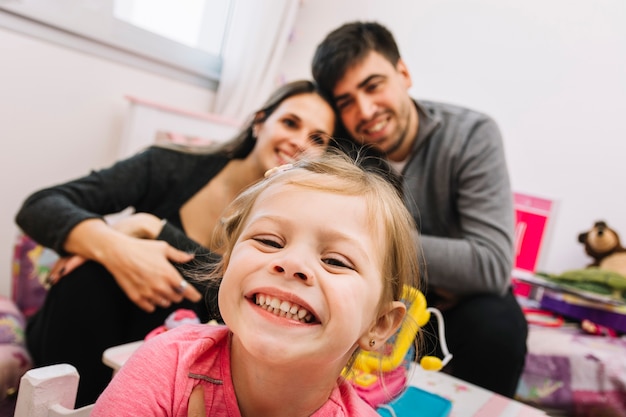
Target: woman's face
point(300, 125)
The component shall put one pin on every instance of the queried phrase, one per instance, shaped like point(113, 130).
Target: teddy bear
point(602, 243)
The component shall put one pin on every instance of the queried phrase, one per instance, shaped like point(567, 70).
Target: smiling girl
point(131, 282)
point(315, 261)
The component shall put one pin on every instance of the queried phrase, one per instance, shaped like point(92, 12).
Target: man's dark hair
point(368, 158)
point(348, 45)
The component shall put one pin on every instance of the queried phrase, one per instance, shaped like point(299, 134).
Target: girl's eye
point(337, 262)
point(269, 242)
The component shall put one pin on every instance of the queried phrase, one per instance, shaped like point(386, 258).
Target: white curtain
point(259, 33)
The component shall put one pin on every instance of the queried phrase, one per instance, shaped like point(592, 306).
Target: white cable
point(447, 356)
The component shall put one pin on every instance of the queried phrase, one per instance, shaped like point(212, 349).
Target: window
point(178, 38)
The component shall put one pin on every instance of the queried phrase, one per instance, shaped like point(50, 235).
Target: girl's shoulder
point(185, 344)
point(187, 339)
point(194, 333)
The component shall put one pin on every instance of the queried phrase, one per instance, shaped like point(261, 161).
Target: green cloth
point(592, 279)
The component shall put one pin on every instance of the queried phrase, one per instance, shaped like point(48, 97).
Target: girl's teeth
point(283, 308)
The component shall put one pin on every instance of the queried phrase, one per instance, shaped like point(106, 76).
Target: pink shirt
point(158, 378)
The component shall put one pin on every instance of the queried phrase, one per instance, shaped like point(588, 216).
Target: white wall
point(61, 115)
point(553, 74)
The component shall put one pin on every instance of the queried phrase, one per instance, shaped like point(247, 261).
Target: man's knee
point(487, 338)
point(491, 322)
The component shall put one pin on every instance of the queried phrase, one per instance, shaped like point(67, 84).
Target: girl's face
point(301, 124)
point(304, 278)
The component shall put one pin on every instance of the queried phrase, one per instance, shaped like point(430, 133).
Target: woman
point(131, 284)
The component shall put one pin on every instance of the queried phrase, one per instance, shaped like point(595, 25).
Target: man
point(456, 184)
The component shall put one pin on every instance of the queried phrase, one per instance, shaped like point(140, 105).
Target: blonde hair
point(335, 172)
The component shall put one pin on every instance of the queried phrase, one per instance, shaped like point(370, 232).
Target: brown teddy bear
point(603, 245)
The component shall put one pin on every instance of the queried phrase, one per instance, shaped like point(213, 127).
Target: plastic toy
point(379, 376)
point(175, 319)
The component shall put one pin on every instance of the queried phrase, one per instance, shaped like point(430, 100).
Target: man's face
point(374, 104)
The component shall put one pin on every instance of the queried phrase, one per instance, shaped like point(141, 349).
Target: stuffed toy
point(602, 285)
point(603, 244)
point(606, 275)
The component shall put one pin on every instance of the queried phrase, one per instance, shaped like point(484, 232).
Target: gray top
point(457, 187)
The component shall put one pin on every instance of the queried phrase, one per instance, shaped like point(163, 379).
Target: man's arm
point(480, 257)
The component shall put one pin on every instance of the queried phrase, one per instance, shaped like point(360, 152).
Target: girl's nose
point(297, 273)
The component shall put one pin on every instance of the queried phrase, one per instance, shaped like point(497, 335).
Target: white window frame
point(85, 30)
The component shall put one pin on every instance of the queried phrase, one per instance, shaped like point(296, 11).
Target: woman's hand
point(140, 225)
point(140, 265)
point(64, 266)
point(143, 269)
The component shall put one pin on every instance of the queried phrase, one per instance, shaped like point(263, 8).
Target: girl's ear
point(385, 326)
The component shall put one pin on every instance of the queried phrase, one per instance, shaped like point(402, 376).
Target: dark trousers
point(85, 313)
point(486, 335)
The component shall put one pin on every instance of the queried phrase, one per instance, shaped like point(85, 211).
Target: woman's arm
point(68, 218)
point(141, 265)
point(50, 214)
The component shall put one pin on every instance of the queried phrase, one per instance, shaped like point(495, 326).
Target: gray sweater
point(457, 187)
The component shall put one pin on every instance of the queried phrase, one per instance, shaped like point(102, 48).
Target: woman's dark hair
point(348, 45)
point(241, 145)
